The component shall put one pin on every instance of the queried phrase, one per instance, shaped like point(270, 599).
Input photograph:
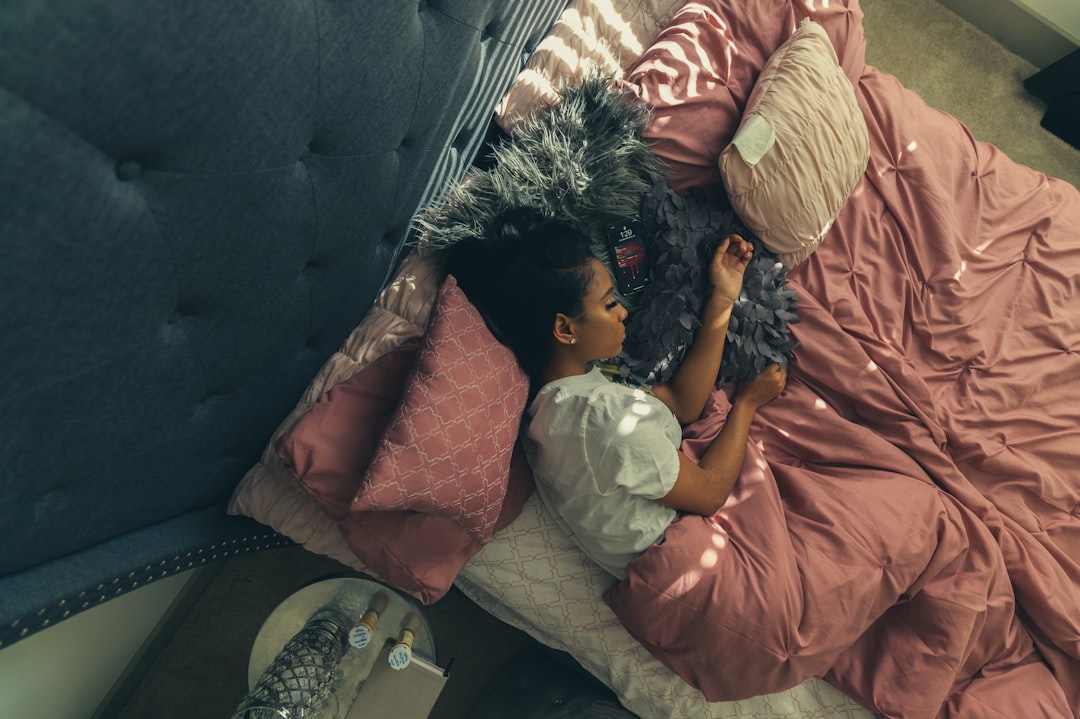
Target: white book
point(408, 693)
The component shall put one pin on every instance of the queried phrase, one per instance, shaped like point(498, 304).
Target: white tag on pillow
point(754, 139)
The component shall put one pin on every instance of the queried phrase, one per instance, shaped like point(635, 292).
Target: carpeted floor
point(202, 670)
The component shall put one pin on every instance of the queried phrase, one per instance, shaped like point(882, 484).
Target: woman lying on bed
point(606, 455)
point(838, 559)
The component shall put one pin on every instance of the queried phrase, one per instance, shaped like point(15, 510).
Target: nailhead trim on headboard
point(92, 596)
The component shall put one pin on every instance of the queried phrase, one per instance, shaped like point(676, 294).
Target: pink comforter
point(907, 523)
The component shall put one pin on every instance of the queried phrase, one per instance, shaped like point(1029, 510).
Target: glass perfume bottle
point(298, 681)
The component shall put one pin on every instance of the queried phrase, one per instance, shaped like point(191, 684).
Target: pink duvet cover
point(907, 524)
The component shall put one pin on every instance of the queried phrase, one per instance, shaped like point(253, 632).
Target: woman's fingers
point(738, 247)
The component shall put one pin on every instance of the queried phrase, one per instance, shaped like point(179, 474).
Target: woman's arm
point(685, 394)
point(704, 488)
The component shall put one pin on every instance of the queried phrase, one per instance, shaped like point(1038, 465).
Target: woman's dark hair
point(528, 269)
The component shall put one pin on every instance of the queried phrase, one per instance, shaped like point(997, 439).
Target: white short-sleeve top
point(602, 453)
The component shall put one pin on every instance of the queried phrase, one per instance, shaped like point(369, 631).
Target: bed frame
point(199, 203)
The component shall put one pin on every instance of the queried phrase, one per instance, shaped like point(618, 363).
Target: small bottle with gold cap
point(401, 652)
point(361, 633)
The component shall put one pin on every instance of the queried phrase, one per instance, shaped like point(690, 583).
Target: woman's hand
point(728, 264)
point(688, 390)
point(704, 488)
point(762, 389)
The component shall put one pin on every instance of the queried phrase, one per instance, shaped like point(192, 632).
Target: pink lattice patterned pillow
point(447, 449)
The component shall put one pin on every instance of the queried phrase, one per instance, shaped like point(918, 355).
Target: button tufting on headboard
point(197, 200)
point(128, 170)
point(491, 29)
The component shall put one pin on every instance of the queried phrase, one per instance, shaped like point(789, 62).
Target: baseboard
point(1039, 36)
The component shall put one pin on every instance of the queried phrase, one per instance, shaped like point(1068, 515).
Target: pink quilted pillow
point(331, 445)
point(447, 449)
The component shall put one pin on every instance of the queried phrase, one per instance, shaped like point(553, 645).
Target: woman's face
point(599, 328)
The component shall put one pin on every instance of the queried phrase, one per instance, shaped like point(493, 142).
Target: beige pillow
point(801, 147)
point(591, 36)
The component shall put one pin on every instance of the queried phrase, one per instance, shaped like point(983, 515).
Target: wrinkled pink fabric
point(836, 556)
point(907, 523)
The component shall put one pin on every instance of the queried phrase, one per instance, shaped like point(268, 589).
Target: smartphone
point(628, 255)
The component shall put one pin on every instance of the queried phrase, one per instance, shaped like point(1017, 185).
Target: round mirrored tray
point(347, 597)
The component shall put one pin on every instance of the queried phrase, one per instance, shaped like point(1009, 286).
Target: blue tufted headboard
point(198, 201)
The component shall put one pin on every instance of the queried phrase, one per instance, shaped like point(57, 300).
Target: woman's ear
point(563, 329)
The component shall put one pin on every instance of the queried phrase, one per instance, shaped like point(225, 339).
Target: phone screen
point(628, 255)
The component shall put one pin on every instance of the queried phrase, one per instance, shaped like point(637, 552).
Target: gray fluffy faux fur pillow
point(583, 161)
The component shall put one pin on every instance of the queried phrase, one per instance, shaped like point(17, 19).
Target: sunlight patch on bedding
point(617, 26)
point(533, 79)
point(559, 49)
point(685, 583)
point(677, 65)
point(871, 366)
point(691, 64)
point(961, 271)
point(709, 558)
point(407, 282)
point(588, 39)
point(819, 404)
point(909, 149)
